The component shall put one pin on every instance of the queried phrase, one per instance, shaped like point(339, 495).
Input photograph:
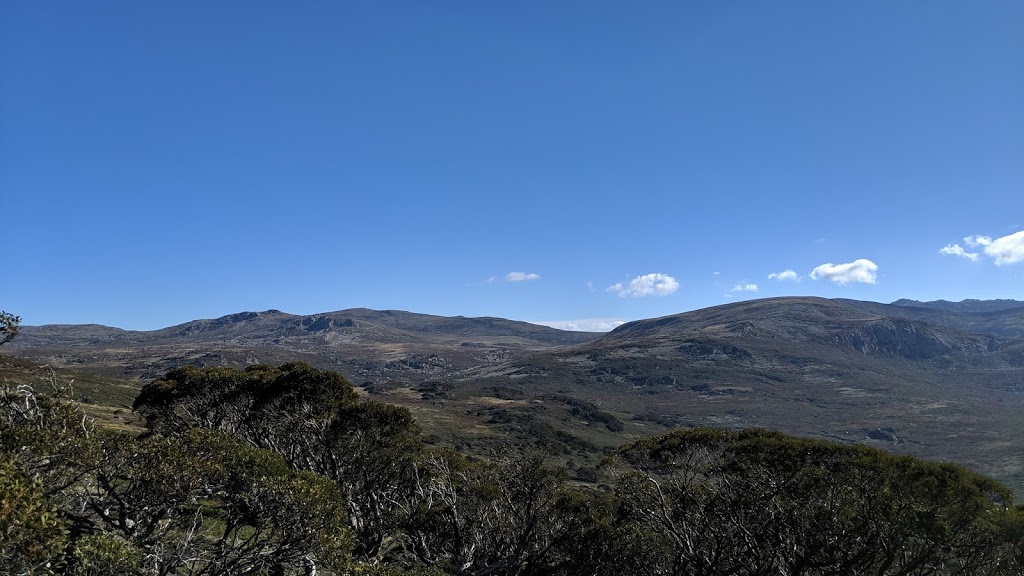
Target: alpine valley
point(938, 380)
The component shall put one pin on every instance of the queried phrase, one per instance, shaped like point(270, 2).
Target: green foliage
point(528, 426)
point(9, 326)
point(200, 502)
point(285, 471)
point(32, 533)
point(313, 419)
point(513, 516)
point(50, 438)
point(260, 402)
point(205, 503)
point(716, 501)
point(102, 554)
point(588, 411)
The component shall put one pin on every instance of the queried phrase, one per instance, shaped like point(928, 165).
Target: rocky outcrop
point(913, 340)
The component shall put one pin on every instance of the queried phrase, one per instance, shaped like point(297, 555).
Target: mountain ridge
point(934, 383)
point(967, 305)
point(351, 340)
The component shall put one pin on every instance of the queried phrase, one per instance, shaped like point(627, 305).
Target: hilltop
point(384, 344)
point(969, 305)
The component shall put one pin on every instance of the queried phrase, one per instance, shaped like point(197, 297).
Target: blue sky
point(545, 161)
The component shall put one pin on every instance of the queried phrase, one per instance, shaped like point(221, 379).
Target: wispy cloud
point(785, 275)
point(957, 250)
point(745, 288)
point(585, 324)
point(860, 270)
point(521, 277)
point(1007, 249)
point(656, 284)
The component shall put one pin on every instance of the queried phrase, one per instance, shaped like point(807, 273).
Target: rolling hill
point(924, 380)
point(384, 345)
point(969, 305)
point(836, 369)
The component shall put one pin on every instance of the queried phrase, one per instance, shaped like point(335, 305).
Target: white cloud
point(785, 275)
point(585, 324)
point(957, 250)
point(975, 241)
point(656, 284)
point(860, 270)
point(521, 277)
point(1005, 250)
point(745, 288)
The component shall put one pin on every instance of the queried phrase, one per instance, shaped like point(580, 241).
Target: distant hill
point(383, 344)
point(356, 324)
point(940, 383)
point(997, 317)
point(969, 306)
point(923, 381)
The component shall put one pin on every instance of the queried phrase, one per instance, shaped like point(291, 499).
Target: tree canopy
point(285, 470)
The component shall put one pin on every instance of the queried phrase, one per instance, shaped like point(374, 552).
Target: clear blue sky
point(547, 161)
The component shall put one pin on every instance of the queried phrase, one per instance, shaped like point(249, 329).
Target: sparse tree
point(9, 326)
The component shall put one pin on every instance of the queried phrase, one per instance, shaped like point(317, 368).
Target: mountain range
point(940, 380)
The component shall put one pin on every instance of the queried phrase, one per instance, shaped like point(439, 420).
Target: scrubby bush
point(283, 470)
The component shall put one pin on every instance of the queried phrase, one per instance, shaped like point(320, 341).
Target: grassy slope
point(108, 400)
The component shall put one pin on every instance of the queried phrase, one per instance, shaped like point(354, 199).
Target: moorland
point(940, 380)
point(775, 436)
